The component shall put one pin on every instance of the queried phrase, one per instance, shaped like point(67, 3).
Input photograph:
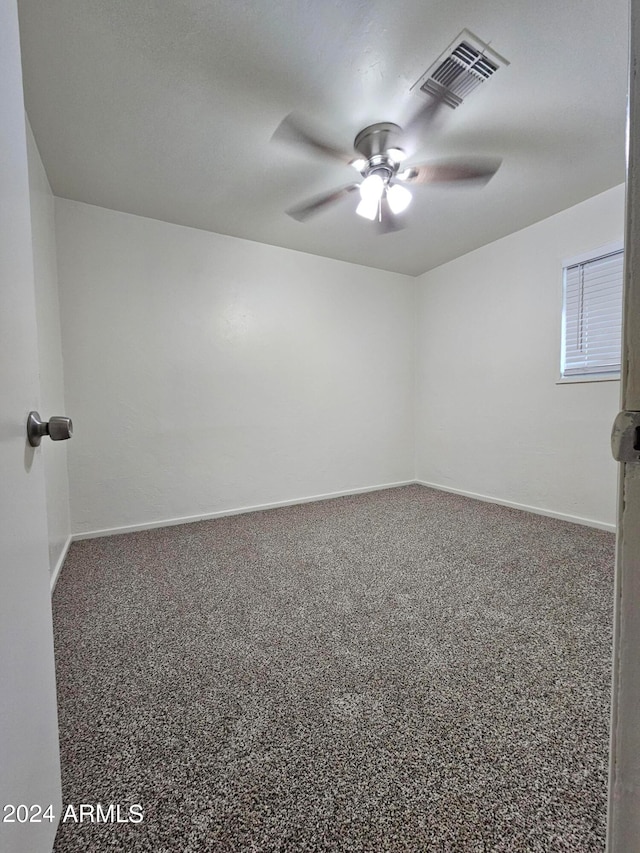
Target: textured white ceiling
point(165, 108)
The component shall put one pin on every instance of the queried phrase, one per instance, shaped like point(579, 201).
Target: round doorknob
point(57, 428)
point(60, 428)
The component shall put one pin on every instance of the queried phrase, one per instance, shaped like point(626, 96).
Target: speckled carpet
point(405, 670)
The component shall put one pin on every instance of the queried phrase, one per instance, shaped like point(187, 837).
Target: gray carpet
point(405, 670)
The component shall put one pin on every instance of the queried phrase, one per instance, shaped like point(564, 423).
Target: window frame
point(583, 257)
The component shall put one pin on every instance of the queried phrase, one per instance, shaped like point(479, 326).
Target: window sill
point(594, 377)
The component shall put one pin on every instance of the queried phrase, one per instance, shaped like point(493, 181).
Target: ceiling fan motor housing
point(374, 143)
point(377, 139)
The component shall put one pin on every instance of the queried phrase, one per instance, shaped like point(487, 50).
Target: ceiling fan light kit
point(376, 186)
point(379, 163)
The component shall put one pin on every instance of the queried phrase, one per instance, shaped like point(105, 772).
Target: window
point(592, 315)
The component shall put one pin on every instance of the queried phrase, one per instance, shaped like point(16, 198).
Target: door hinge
point(625, 437)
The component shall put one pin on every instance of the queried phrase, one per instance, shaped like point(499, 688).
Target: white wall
point(490, 418)
point(206, 373)
point(54, 454)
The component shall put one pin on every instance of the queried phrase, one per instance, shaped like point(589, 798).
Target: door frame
point(623, 824)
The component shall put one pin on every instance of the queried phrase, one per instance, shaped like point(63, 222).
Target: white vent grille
point(466, 64)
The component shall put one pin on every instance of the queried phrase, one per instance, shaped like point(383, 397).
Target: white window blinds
point(592, 316)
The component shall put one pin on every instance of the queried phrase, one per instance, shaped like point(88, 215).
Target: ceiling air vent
point(464, 65)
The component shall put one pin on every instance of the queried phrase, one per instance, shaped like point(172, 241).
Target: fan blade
point(309, 208)
point(388, 222)
point(480, 170)
point(292, 130)
point(419, 123)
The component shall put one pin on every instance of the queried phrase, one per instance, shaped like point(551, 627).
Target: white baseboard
point(169, 522)
point(574, 519)
point(56, 572)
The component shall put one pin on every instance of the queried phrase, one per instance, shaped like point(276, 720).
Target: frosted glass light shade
point(397, 154)
point(399, 198)
point(368, 208)
point(372, 188)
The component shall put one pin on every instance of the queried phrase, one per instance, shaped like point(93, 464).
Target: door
point(29, 761)
point(624, 779)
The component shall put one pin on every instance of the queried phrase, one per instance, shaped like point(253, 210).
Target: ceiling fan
point(380, 160)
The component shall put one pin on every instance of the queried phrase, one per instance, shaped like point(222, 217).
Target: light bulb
point(368, 208)
point(358, 164)
point(372, 188)
point(399, 198)
point(397, 154)
point(407, 174)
